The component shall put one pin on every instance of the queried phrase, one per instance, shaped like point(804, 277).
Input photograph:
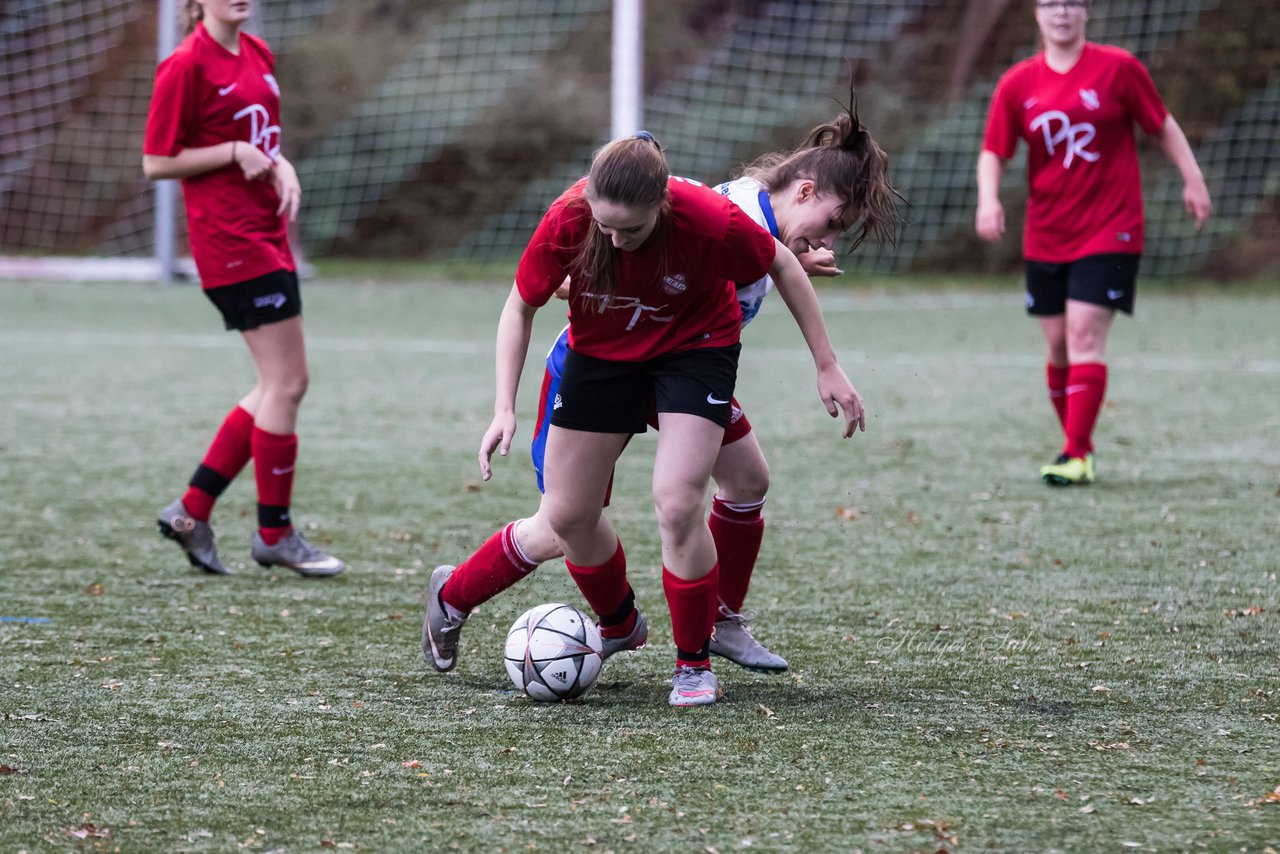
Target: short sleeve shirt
point(753, 198)
point(1085, 191)
point(205, 95)
point(675, 292)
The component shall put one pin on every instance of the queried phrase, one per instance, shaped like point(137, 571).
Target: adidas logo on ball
point(553, 652)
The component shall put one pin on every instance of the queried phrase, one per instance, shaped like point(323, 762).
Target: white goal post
point(626, 106)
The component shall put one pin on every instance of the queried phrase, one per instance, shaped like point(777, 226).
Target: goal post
point(627, 90)
point(165, 191)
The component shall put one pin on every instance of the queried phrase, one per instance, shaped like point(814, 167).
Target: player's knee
point(567, 524)
point(1085, 342)
point(747, 485)
point(294, 388)
point(678, 509)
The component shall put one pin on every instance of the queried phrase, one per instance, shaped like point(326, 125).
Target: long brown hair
point(631, 171)
point(841, 158)
point(192, 14)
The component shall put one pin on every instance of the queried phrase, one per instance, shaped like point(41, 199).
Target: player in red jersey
point(1075, 104)
point(834, 182)
point(654, 323)
point(214, 122)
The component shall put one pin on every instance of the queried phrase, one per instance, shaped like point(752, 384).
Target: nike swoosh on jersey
point(227, 90)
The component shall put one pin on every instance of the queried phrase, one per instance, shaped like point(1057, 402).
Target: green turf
point(980, 662)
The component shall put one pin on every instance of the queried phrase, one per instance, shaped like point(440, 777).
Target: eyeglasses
point(1063, 5)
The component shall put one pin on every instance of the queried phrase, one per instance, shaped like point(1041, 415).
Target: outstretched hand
point(839, 395)
point(499, 435)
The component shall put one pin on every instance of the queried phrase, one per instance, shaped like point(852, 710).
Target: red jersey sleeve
point(550, 253)
point(747, 251)
point(1003, 126)
point(171, 110)
point(1144, 101)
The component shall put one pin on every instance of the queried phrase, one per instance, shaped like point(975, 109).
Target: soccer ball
point(553, 652)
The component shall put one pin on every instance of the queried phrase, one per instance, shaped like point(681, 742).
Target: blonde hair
point(631, 171)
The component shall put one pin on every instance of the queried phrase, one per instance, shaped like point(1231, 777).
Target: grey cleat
point(638, 637)
point(293, 551)
point(440, 629)
point(693, 686)
point(731, 638)
point(195, 538)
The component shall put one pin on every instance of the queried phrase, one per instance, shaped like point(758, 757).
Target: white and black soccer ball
point(553, 652)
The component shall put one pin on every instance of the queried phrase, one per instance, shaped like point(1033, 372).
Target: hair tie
point(646, 136)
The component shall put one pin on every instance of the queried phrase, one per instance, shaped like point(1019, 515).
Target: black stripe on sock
point(209, 481)
point(273, 517)
point(624, 610)
point(683, 655)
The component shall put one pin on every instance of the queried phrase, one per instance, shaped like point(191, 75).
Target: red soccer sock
point(605, 588)
point(224, 460)
point(1056, 380)
point(495, 566)
point(693, 609)
point(737, 530)
point(274, 458)
point(1086, 388)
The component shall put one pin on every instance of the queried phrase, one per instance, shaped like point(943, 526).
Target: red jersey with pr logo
point(205, 95)
point(1085, 192)
point(676, 292)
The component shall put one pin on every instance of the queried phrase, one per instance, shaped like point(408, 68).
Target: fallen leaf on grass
point(94, 589)
point(762, 709)
point(1101, 689)
point(848, 514)
point(89, 831)
point(1087, 809)
point(1272, 797)
point(1115, 745)
point(1251, 611)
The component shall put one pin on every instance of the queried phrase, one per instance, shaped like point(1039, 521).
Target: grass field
point(979, 662)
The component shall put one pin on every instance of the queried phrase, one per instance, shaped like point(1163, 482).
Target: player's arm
point(1195, 194)
point(837, 393)
point(285, 180)
point(255, 165)
point(989, 219)
point(515, 328)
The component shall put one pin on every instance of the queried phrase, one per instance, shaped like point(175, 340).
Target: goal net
point(443, 129)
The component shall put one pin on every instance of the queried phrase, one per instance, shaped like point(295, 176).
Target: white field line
point(20, 339)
